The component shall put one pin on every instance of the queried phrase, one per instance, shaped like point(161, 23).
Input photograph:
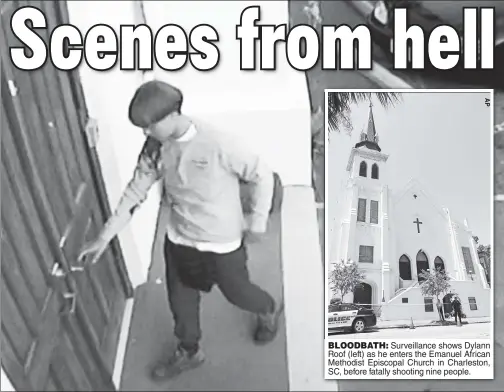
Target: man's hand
point(253, 230)
point(92, 251)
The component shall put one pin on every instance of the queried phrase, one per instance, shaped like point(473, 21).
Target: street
point(468, 331)
point(352, 14)
point(333, 12)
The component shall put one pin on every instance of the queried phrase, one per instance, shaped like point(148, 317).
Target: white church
point(394, 235)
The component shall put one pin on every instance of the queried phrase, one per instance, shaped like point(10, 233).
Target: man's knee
point(233, 291)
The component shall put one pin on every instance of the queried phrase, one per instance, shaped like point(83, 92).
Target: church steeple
point(371, 129)
point(369, 138)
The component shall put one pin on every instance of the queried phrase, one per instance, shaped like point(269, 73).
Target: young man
point(201, 170)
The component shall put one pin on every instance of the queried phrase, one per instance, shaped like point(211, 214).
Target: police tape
point(375, 306)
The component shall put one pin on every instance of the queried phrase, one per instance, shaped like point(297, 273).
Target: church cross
point(418, 223)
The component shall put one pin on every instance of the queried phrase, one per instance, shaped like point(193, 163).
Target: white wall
point(302, 267)
point(434, 237)
point(415, 308)
point(268, 109)
point(108, 95)
point(337, 239)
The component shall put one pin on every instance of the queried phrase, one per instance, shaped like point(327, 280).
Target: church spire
point(369, 137)
point(371, 129)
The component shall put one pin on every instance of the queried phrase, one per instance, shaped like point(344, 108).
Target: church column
point(458, 261)
point(352, 246)
point(478, 268)
point(385, 251)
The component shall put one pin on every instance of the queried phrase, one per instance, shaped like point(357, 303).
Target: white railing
point(402, 291)
point(399, 291)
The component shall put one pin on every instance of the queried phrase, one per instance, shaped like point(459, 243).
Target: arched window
point(374, 171)
point(439, 264)
point(405, 267)
point(422, 264)
point(363, 169)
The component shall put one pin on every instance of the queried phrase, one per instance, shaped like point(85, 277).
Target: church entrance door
point(422, 264)
point(363, 294)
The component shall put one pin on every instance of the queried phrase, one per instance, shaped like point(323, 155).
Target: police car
point(352, 317)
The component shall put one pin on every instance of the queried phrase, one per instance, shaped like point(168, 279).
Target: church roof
point(374, 155)
point(369, 137)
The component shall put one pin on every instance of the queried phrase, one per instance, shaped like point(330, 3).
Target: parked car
point(351, 317)
point(428, 15)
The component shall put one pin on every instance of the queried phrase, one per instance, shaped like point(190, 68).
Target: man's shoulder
point(206, 127)
point(214, 135)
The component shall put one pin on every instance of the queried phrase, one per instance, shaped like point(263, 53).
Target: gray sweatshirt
point(200, 174)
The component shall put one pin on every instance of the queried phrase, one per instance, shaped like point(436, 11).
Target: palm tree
point(338, 105)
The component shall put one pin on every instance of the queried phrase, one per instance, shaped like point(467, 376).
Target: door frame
point(361, 288)
point(98, 180)
point(95, 167)
point(78, 103)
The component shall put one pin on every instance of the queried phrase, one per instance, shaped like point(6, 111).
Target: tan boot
point(267, 325)
point(179, 362)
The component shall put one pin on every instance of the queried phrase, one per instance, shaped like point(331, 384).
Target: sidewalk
point(389, 324)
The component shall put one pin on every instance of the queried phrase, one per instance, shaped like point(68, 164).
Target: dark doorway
point(422, 264)
point(363, 294)
point(405, 267)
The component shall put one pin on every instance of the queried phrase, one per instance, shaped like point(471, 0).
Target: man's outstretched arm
point(146, 174)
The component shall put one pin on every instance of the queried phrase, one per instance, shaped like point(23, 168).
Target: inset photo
point(409, 214)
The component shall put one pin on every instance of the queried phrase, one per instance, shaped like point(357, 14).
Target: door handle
point(76, 268)
point(69, 306)
point(59, 283)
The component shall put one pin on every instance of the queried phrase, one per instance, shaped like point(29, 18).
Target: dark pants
point(457, 312)
point(190, 271)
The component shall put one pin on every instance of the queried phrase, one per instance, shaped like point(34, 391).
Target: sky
point(443, 140)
